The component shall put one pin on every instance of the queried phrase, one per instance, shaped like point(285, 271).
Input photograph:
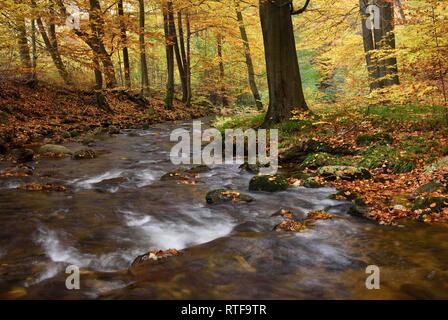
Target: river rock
point(268, 183)
point(285, 213)
point(313, 182)
point(430, 187)
point(344, 172)
point(290, 225)
point(84, 154)
point(114, 130)
point(224, 196)
point(54, 149)
point(319, 215)
point(435, 204)
point(179, 174)
point(23, 155)
point(202, 168)
point(113, 182)
point(300, 151)
point(150, 258)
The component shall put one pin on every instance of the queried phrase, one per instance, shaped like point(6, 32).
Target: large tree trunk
point(188, 48)
point(124, 43)
point(248, 56)
point(284, 82)
point(379, 45)
point(143, 62)
point(167, 7)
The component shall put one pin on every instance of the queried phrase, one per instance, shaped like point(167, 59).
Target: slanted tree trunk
point(248, 56)
point(284, 81)
point(379, 44)
point(34, 50)
point(167, 7)
point(143, 62)
point(124, 43)
point(188, 49)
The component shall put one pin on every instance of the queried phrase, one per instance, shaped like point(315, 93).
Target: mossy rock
point(300, 151)
point(179, 174)
point(388, 158)
point(434, 203)
point(66, 135)
point(220, 196)
point(202, 168)
point(268, 183)
point(85, 154)
point(114, 130)
point(4, 117)
point(380, 138)
point(344, 172)
point(441, 163)
point(313, 182)
point(316, 160)
point(430, 187)
point(55, 149)
point(253, 168)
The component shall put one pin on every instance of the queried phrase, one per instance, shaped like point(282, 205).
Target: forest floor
point(30, 117)
point(391, 161)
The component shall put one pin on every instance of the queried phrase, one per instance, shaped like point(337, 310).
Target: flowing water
point(116, 208)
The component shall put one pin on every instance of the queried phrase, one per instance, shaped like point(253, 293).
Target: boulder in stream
point(54, 149)
point(85, 154)
point(150, 258)
point(225, 196)
point(290, 225)
point(268, 183)
point(23, 154)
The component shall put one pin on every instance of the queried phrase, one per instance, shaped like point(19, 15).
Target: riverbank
point(30, 117)
point(391, 162)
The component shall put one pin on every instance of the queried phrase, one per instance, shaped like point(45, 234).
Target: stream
point(116, 208)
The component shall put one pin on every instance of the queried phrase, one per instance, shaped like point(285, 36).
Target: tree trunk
point(222, 88)
point(188, 68)
point(378, 44)
point(34, 50)
point(249, 63)
point(167, 7)
point(284, 81)
point(124, 42)
point(183, 60)
point(143, 62)
point(24, 50)
point(97, 26)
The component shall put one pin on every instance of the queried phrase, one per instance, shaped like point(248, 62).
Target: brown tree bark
point(124, 43)
point(166, 8)
point(248, 56)
point(222, 88)
point(379, 44)
point(284, 81)
point(143, 63)
point(24, 50)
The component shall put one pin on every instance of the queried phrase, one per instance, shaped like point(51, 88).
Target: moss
point(316, 160)
point(379, 138)
point(434, 203)
point(344, 172)
point(268, 183)
point(389, 158)
point(223, 196)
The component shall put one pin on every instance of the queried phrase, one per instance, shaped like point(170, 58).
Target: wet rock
point(54, 149)
point(84, 154)
point(113, 182)
point(176, 175)
point(23, 155)
point(416, 291)
point(434, 204)
point(285, 213)
point(248, 226)
point(313, 182)
point(225, 196)
point(151, 258)
point(290, 225)
point(43, 187)
point(358, 211)
point(114, 130)
point(344, 172)
point(253, 168)
point(20, 171)
point(319, 215)
point(268, 183)
point(316, 160)
point(199, 169)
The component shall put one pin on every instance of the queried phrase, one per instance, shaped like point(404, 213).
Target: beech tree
point(282, 67)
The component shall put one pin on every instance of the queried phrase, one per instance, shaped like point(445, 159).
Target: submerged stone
point(225, 196)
